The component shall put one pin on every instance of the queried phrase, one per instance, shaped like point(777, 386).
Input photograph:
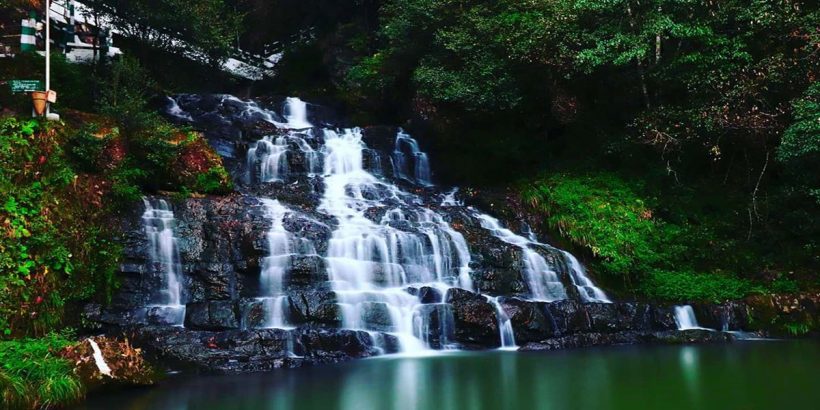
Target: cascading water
point(685, 318)
point(269, 157)
point(390, 250)
point(296, 113)
point(274, 266)
point(371, 264)
point(543, 281)
point(176, 111)
point(588, 291)
point(163, 252)
point(99, 360)
point(505, 328)
point(410, 162)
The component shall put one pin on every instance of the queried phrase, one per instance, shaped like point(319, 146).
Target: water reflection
point(750, 375)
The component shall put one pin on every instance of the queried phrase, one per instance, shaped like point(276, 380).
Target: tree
point(202, 29)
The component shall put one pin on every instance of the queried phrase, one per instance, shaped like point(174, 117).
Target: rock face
point(266, 284)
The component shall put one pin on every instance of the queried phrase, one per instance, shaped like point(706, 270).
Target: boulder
point(211, 315)
point(476, 323)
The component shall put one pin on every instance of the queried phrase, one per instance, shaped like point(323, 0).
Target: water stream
point(389, 245)
point(158, 220)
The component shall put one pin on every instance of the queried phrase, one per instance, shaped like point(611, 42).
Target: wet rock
point(376, 316)
point(251, 314)
point(316, 306)
point(435, 324)
point(211, 315)
point(528, 320)
point(306, 271)
point(475, 319)
point(628, 337)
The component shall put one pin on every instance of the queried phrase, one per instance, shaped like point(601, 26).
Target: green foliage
point(689, 286)
point(214, 181)
point(31, 251)
point(125, 94)
point(33, 376)
point(797, 329)
point(206, 27)
point(802, 138)
point(605, 215)
point(683, 256)
point(85, 147)
point(800, 149)
point(126, 181)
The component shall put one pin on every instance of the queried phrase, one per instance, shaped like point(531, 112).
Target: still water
point(744, 375)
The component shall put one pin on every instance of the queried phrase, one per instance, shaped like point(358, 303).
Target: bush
point(605, 215)
point(684, 256)
point(124, 95)
point(689, 286)
point(56, 245)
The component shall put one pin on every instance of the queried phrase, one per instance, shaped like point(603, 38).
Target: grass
point(33, 376)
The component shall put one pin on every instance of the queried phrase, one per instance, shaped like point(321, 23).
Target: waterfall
point(99, 360)
point(392, 253)
point(685, 318)
point(449, 199)
point(296, 114)
point(588, 291)
point(542, 280)
point(269, 156)
point(163, 252)
point(505, 329)
point(274, 266)
point(434, 324)
point(410, 162)
point(173, 109)
point(371, 264)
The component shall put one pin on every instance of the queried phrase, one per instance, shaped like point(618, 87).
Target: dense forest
point(676, 141)
point(674, 145)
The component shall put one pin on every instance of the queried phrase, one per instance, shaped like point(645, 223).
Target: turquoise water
point(744, 375)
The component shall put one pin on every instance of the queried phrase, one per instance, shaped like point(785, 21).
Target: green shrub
point(33, 376)
point(669, 259)
point(85, 148)
point(214, 181)
point(688, 286)
point(55, 245)
point(605, 215)
point(124, 94)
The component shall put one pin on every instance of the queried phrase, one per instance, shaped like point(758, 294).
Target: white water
point(174, 110)
point(163, 252)
point(386, 241)
point(99, 360)
point(274, 266)
point(371, 264)
point(449, 199)
point(685, 318)
point(505, 328)
point(271, 156)
point(296, 113)
point(588, 291)
point(542, 280)
point(410, 162)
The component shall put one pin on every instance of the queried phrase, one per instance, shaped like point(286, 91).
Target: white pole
point(48, 52)
point(48, 46)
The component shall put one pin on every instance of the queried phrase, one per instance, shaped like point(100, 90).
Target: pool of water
point(746, 375)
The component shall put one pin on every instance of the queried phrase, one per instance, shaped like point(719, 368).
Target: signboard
point(51, 96)
point(21, 86)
